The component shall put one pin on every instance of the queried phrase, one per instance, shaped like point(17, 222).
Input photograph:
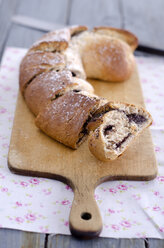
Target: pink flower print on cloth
point(19, 219)
point(129, 209)
point(30, 217)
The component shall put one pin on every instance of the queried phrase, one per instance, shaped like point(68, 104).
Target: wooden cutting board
point(34, 153)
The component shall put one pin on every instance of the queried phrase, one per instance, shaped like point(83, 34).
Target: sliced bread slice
point(119, 126)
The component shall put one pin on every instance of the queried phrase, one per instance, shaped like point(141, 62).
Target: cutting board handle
point(85, 219)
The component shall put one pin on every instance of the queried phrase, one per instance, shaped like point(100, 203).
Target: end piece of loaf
point(107, 58)
point(121, 34)
point(119, 126)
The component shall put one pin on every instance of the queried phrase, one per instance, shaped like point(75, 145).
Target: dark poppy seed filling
point(73, 74)
point(76, 91)
point(56, 96)
point(138, 119)
point(77, 33)
point(84, 131)
point(82, 135)
point(122, 141)
point(108, 129)
point(97, 116)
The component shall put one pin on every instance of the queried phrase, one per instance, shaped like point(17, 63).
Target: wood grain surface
point(19, 239)
point(34, 153)
point(144, 19)
point(58, 241)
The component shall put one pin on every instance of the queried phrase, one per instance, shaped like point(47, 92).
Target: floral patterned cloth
point(129, 209)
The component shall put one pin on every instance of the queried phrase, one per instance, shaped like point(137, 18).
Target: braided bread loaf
point(52, 81)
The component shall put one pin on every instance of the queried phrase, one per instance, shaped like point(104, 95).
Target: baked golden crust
point(63, 119)
point(114, 59)
point(35, 63)
point(82, 85)
point(110, 49)
point(124, 35)
point(28, 74)
point(50, 85)
point(57, 40)
point(45, 87)
point(77, 29)
point(41, 58)
point(52, 78)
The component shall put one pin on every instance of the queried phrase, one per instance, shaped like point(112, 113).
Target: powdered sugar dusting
point(42, 58)
point(55, 36)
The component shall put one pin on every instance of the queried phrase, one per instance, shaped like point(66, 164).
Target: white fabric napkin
point(129, 209)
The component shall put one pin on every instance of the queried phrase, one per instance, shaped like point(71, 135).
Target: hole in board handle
point(86, 216)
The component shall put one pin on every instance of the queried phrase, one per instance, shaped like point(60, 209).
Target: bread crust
point(114, 59)
point(124, 35)
point(119, 68)
point(77, 29)
point(63, 119)
point(50, 85)
point(35, 63)
point(45, 87)
point(51, 80)
point(82, 85)
point(57, 40)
